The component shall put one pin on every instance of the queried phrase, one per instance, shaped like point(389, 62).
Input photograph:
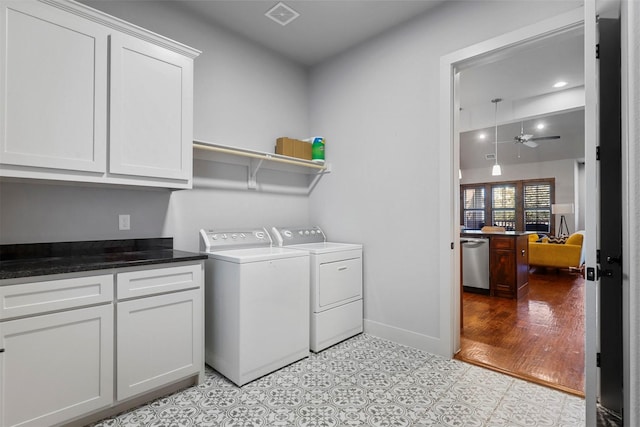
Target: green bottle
point(317, 149)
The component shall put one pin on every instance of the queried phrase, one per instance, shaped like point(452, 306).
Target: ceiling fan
point(529, 140)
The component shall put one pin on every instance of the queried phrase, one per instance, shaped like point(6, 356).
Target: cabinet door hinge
point(598, 51)
point(598, 152)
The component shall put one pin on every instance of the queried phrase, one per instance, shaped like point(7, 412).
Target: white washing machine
point(256, 304)
point(336, 284)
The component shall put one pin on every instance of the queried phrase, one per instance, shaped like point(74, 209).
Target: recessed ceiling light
point(482, 136)
point(540, 126)
point(282, 14)
point(559, 84)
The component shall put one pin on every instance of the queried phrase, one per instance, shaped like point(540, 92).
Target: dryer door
point(340, 282)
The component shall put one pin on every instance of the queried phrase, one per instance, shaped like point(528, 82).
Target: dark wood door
point(611, 359)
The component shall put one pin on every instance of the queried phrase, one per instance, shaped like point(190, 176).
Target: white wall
point(631, 196)
point(562, 170)
point(243, 95)
point(378, 108)
point(34, 213)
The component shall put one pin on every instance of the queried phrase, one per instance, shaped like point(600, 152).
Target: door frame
point(449, 160)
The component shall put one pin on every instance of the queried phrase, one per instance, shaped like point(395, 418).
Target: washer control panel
point(214, 240)
point(298, 235)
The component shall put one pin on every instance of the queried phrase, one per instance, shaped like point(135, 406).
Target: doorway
point(536, 134)
point(451, 65)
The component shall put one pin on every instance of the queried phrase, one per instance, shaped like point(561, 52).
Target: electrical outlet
point(124, 222)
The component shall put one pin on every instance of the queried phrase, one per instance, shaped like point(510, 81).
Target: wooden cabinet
point(60, 340)
point(159, 341)
point(53, 90)
point(151, 110)
point(160, 337)
point(55, 111)
point(509, 265)
point(55, 366)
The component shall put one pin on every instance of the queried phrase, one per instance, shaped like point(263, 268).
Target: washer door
point(340, 282)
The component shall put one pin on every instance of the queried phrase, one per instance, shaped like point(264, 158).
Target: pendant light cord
point(495, 101)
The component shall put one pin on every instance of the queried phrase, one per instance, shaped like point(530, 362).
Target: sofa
point(569, 254)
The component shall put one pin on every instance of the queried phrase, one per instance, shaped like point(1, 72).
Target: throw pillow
point(560, 240)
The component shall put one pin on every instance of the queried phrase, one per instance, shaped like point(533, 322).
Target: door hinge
point(593, 273)
point(598, 51)
point(452, 245)
point(597, 360)
point(598, 152)
point(598, 256)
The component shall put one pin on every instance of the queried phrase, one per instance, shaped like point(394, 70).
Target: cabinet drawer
point(501, 243)
point(51, 295)
point(134, 284)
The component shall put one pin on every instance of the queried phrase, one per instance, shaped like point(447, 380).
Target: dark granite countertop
point(494, 233)
point(39, 259)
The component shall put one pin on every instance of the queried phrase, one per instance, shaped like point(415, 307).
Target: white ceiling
point(568, 125)
point(326, 28)
point(526, 76)
point(323, 29)
point(526, 73)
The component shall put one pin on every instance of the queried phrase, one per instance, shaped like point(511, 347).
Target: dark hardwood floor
point(539, 338)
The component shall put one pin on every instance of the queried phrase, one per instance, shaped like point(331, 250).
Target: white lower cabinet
point(56, 366)
point(62, 338)
point(159, 341)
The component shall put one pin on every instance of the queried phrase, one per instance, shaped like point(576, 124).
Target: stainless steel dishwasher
point(475, 264)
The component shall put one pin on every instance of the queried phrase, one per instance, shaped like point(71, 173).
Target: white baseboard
point(405, 337)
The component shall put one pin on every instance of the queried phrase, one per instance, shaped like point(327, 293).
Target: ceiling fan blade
point(542, 138)
point(530, 144)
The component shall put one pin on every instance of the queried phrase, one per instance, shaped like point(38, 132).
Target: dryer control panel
point(284, 236)
point(215, 240)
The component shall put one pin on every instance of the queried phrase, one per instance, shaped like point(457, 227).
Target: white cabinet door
point(159, 340)
point(151, 110)
point(55, 367)
point(53, 88)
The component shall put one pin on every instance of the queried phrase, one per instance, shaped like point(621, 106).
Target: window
point(503, 208)
point(517, 205)
point(537, 207)
point(473, 208)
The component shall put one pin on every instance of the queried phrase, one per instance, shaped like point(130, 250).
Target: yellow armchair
point(556, 255)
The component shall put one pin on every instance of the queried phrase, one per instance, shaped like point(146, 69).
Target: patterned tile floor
point(364, 381)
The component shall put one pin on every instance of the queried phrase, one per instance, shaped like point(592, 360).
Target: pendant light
point(496, 170)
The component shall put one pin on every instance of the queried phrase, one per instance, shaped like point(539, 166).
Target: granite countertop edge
point(495, 233)
point(102, 255)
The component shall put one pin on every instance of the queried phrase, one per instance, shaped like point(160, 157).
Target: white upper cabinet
point(151, 101)
point(54, 89)
point(59, 58)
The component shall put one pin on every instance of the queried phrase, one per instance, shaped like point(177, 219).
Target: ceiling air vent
point(490, 156)
point(282, 14)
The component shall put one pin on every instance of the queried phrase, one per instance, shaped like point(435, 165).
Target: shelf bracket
point(254, 167)
point(316, 179)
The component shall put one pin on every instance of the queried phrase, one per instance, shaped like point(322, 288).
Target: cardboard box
point(293, 148)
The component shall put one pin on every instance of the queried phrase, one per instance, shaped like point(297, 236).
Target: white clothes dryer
point(256, 304)
point(336, 284)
